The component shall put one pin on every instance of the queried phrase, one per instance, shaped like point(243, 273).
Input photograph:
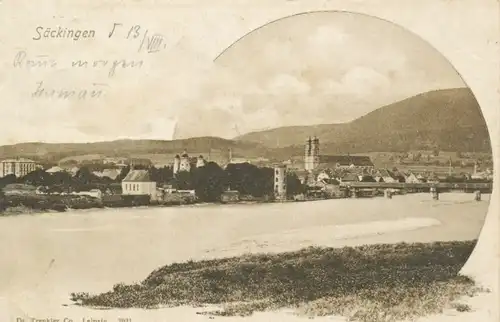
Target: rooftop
point(138, 176)
point(18, 160)
point(346, 160)
point(55, 169)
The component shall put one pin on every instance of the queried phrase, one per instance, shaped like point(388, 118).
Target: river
point(47, 256)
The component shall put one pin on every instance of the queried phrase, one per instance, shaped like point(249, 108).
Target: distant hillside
point(55, 152)
point(448, 120)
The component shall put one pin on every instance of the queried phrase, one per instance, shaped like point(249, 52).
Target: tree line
point(209, 181)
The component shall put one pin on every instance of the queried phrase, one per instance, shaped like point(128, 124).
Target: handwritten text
point(95, 91)
point(149, 42)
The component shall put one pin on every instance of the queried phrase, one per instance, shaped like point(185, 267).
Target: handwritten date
point(150, 43)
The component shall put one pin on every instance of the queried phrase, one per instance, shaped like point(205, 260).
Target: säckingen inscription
point(42, 33)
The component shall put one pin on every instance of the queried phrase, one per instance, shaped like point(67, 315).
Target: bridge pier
point(477, 195)
point(388, 193)
point(434, 193)
point(354, 193)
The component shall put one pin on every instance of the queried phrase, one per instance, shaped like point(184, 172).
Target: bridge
point(466, 186)
point(358, 189)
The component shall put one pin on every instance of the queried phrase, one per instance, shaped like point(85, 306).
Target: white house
point(138, 183)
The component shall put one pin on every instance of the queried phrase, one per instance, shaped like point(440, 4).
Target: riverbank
point(39, 204)
point(32, 205)
point(387, 282)
point(91, 250)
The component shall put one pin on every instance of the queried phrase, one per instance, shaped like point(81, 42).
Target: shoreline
point(28, 211)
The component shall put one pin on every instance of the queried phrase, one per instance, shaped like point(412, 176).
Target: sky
point(314, 69)
point(325, 67)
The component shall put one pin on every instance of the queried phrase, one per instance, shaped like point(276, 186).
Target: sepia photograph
point(320, 164)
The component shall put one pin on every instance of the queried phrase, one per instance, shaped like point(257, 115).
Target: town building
point(311, 156)
point(200, 162)
point(55, 169)
point(94, 193)
point(230, 196)
point(384, 175)
point(134, 162)
point(184, 162)
point(110, 160)
point(314, 160)
point(303, 175)
point(414, 178)
point(73, 171)
point(107, 173)
point(350, 177)
point(138, 183)
point(280, 175)
point(18, 167)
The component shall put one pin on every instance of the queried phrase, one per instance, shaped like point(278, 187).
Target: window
point(276, 179)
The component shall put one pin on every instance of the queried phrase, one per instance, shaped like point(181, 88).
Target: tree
point(86, 177)
point(8, 179)
point(209, 182)
point(59, 179)
point(294, 186)
point(249, 179)
point(36, 178)
point(265, 184)
point(3, 202)
point(123, 174)
point(161, 175)
point(184, 180)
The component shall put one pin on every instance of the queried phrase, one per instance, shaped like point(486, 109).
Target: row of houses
point(109, 173)
point(379, 175)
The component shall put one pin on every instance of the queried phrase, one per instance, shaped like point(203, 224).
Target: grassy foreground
point(367, 283)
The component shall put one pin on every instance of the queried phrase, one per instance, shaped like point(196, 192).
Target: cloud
point(360, 81)
point(311, 72)
point(285, 84)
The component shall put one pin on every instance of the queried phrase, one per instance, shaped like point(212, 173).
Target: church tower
point(184, 165)
point(177, 163)
point(311, 155)
point(315, 154)
point(280, 185)
point(307, 155)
